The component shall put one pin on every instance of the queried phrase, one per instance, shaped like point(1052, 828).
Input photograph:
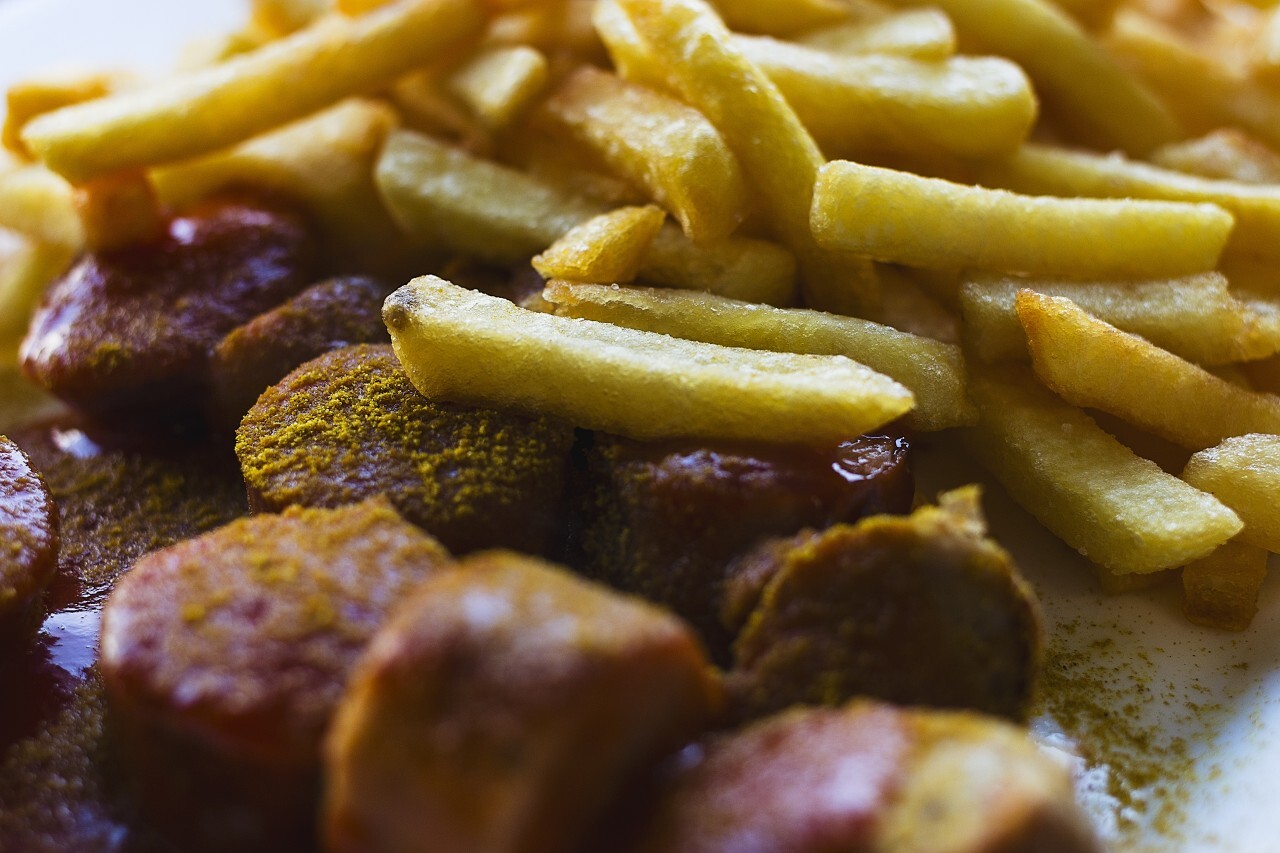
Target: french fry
point(448, 199)
point(1092, 14)
point(465, 346)
point(1117, 509)
point(119, 211)
point(1244, 473)
point(325, 162)
point(926, 34)
point(1264, 59)
point(908, 307)
point(1195, 317)
point(1078, 356)
point(426, 108)
point(498, 84)
point(1221, 590)
point(281, 17)
point(655, 142)
point(607, 248)
point(1228, 154)
point(1044, 170)
point(699, 57)
point(768, 17)
point(27, 268)
point(881, 213)
point(218, 106)
point(933, 371)
point(41, 205)
point(1098, 100)
point(32, 98)
point(969, 106)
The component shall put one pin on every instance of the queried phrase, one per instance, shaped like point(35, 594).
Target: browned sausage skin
point(504, 709)
point(224, 656)
point(28, 542)
point(137, 325)
point(665, 519)
point(349, 424)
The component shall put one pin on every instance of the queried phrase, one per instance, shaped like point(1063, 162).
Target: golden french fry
point(658, 143)
point(324, 162)
point(970, 106)
point(699, 57)
point(1093, 364)
point(1099, 101)
point(1115, 508)
point(929, 222)
point(279, 18)
point(446, 198)
point(27, 268)
point(500, 83)
point(607, 248)
point(41, 205)
point(1195, 317)
point(1264, 59)
point(465, 346)
point(119, 211)
point(1228, 154)
point(769, 17)
point(1092, 14)
point(424, 107)
point(1221, 590)
point(932, 370)
point(1244, 473)
point(1044, 170)
point(908, 307)
point(218, 106)
point(918, 33)
point(31, 98)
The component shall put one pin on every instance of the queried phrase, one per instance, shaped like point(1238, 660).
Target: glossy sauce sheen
point(28, 537)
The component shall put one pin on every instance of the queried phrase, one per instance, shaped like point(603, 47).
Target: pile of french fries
point(1047, 229)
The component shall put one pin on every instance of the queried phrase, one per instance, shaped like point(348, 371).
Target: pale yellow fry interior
point(1244, 473)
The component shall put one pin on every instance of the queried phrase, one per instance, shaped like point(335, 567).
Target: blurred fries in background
point(981, 216)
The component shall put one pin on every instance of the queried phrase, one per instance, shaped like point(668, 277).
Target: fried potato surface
point(464, 346)
point(607, 248)
point(1244, 473)
point(1221, 590)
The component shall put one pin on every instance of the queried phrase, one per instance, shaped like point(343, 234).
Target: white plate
point(1180, 722)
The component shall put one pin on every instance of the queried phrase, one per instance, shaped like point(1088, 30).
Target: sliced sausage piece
point(28, 541)
point(665, 519)
point(918, 610)
point(504, 708)
point(225, 655)
point(335, 313)
point(863, 779)
point(349, 425)
point(136, 326)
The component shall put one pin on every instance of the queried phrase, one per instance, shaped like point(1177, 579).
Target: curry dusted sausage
point(224, 656)
point(917, 610)
point(504, 709)
point(867, 778)
point(329, 315)
point(664, 519)
point(137, 325)
point(349, 425)
point(28, 540)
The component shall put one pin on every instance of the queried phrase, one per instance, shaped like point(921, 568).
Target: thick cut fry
point(769, 17)
point(1221, 590)
point(27, 268)
point(698, 56)
point(658, 143)
point(465, 346)
point(1097, 99)
point(1244, 473)
point(607, 248)
point(1043, 170)
point(932, 370)
point(1204, 94)
point(929, 222)
point(1092, 14)
point(119, 211)
point(1115, 508)
point(1093, 364)
point(41, 205)
point(918, 33)
point(1264, 59)
point(1194, 317)
point(281, 17)
point(446, 198)
point(32, 98)
point(1228, 154)
point(500, 83)
point(324, 162)
point(974, 107)
point(224, 104)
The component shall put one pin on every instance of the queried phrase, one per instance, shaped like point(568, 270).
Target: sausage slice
point(28, 540)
